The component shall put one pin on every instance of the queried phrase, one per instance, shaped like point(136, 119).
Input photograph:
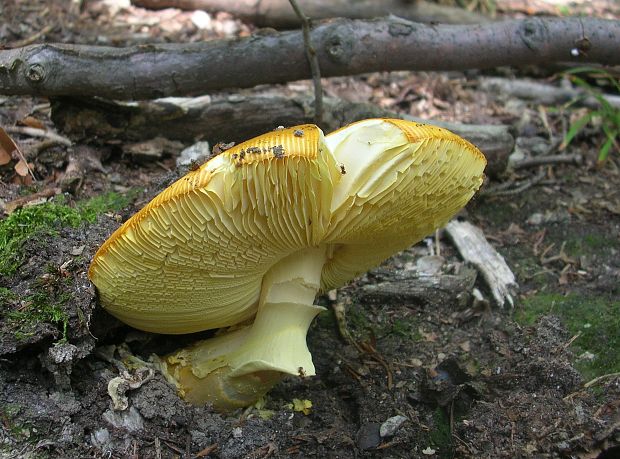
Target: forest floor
point(450, 377)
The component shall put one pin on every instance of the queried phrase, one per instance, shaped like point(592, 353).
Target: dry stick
point(601, 378)
point(543, 160)
point(313, 61)
point(36, 132)
point(33, 38)
point(501, 190)
point(343, 47)
point(276, 14)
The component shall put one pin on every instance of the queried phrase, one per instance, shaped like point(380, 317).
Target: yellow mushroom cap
point(194, 258)
point(403, 180)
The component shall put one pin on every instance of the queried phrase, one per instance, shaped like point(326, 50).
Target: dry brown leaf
point(22, 168)
point(33, 122)
point(5, 158)
point(25, 181)
point(7, 147)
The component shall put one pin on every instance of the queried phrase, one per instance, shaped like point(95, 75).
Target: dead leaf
point(5, 158)
point(33, 122)
point(22, 168)
point(430, 337)
point(25, 181)
point(7, 147)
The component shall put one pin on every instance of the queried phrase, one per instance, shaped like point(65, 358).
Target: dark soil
point(430, 377)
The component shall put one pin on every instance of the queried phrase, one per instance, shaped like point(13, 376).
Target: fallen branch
point(511, 187)
point(544, 94)
point(474, 248)
point(279, 14)
point(343, 47)
point(412, 286)
point(191, 119)
point(551, 159)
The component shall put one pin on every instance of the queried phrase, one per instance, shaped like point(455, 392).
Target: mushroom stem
point(236, 368)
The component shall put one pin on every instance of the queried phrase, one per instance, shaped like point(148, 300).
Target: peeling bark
point(344, 47)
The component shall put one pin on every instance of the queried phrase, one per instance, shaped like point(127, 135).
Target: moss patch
point(440, 436)
point(589, 244)
point(24, 316)
point(48, 218)
point(595, 318)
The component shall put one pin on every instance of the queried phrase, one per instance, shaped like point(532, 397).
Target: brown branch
point(343, 47)
point(279, 14)
point(551, 159)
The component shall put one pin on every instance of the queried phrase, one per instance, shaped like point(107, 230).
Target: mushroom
point(245, 242)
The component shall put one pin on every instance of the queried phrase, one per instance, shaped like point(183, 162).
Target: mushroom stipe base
point(236, 368)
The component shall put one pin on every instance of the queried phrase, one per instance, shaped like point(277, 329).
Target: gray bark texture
point(280, 15)
point(343, 46)
point(410, 287)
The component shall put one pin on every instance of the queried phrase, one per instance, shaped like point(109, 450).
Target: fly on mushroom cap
point(260, 228)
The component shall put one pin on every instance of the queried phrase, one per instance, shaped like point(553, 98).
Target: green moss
point(47, 219)
point(20, 431)
point(40, 307)
point(440, 436)
point(406, 328)
point(595, 318)
point(590, 244)
point(6, 296)
point(92, 208)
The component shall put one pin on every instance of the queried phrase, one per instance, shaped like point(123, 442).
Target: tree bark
point(280, 15)
point(238, 118)
point(344, 47)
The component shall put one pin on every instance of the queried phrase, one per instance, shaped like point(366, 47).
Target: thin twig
point(313, 60)
point(36, 132)
point(30, 40)
point(501, 190)
point(552, 159)
point(601, 378)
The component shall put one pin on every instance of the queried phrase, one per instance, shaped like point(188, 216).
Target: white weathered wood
point(475, 249)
